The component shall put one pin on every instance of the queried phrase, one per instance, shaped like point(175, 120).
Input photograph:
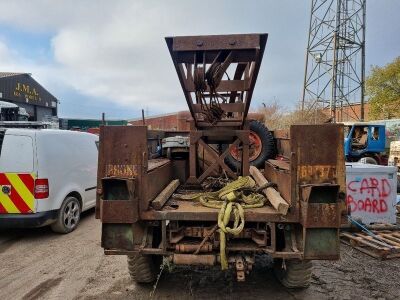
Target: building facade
point(24, 91)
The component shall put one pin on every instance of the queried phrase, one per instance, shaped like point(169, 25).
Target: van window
point(375, 133)
point(16, 154)
point(2, 133)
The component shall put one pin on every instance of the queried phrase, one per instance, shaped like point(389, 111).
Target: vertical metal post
point(143, 120)
point(363, 62)
point(103, 119)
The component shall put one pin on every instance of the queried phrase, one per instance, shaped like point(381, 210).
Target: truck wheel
point(296, 275)
point(261, 147)
point(142, 268)
point(368, 160)
point(68, 216)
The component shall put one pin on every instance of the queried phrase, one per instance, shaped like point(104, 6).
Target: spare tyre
point(261, 144)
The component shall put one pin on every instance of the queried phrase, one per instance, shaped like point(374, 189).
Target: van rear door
point(17, 177)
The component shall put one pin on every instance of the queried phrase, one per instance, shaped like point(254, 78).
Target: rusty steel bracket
point(203, 138)
point(240, 269)
point(175, 235)
point(319, 205)
point(242, 264)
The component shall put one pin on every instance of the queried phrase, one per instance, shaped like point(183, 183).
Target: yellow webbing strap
point(230, 199)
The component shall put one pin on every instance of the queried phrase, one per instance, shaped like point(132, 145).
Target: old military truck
point(289, 209)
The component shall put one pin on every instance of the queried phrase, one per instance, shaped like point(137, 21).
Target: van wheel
point(68, 216)
point(296, 274)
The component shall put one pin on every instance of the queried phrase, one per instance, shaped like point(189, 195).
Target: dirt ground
point(36, 263)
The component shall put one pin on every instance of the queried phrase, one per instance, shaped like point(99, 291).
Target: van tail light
point(41, 188)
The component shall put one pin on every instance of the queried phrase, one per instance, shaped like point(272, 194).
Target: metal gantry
point(335, 59)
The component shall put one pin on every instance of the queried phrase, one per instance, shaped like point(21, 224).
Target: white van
point(47, 177)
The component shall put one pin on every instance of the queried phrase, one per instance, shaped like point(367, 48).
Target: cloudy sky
point(110, 56)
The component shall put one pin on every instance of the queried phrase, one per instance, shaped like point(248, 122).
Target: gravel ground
point(36, 263)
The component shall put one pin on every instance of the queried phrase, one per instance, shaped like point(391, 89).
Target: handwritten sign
point(371, 197)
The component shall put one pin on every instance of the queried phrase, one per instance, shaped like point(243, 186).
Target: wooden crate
point(385, 245)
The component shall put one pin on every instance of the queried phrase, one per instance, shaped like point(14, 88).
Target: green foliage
point(383, 89)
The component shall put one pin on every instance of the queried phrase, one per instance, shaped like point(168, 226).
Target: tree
point(383, 90)
point(277, 116)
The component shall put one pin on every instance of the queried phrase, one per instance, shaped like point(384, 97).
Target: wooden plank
point(373, 246)
point(155, 163)
point(162, 197)
point(362, 239)
point(273, 195)
point(393, 240)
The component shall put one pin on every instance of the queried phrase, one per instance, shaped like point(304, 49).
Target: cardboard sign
point(371, 193)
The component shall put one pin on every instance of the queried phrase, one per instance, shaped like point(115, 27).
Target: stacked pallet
point(382, 244)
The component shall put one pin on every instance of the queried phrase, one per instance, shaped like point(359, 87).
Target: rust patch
point(319, 215)
point(123, 171)
point(316, 173)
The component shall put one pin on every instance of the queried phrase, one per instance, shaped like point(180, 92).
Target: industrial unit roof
point(9, 74)
point(23, 88)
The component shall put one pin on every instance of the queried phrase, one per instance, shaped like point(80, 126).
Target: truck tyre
point(262, 147)
point(142, 268)
point(68, 217)
point(368, 160)
point(296, 275)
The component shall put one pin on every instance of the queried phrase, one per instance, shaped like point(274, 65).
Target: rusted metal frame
point(101, 172)
point(120, 155)
point(120, 210)
point(237, 76)
point(181, 77)
point(232, 107)
point(195, 139)
point(238, 56)
point(155, 251)
point(287, 255)
point(313, 161)
point(272, 247)
point(320, 215)
point(218, 160)
point(220, 124)
point(164, 235)
point(176, 235)
point(194, 248)
point(207, 43)
point(189, 69)
point(215, 42)
point(225, 86)
point(137, 250)
point(211, 216)
point(254, 73)
point(191, 259)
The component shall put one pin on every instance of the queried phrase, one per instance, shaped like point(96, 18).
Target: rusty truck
point(155, 208)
